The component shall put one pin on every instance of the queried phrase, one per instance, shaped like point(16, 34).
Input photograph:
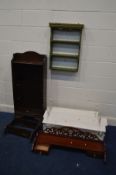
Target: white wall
point(24, 26)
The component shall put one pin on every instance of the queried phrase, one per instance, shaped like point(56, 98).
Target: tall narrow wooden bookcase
point(29, 72)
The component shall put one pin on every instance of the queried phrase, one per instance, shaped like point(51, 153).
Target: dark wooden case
point(29, 72)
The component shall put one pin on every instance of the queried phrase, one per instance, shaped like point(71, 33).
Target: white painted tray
point(82, 119)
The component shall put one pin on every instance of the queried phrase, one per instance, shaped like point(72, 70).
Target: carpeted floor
point(16, 157)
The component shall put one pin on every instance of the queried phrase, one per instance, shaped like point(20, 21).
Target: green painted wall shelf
point(65, 43)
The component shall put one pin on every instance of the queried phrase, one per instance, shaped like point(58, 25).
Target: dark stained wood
point(29, 71)
point(29, 83)
point(96, 148)
point(29, 57)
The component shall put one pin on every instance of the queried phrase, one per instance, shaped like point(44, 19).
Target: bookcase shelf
point(65, 42)
point(65, 55)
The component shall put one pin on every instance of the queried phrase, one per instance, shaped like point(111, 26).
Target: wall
point(24, 26)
